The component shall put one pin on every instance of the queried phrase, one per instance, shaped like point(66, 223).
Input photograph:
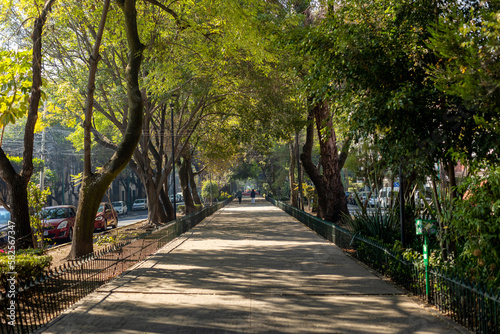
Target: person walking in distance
point(239, 194)
point(252, 195)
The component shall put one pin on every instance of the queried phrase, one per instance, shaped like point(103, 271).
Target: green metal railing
point(466, 303)
point(39, 301)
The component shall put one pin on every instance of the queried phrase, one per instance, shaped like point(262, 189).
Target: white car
point(140, 204)
point(385, 196)
point(120, 207)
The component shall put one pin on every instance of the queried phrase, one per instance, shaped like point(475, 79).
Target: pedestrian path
point(249, 268)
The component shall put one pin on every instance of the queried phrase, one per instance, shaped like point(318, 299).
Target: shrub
point(223, 196)
point(28, 264)
point(375, 224)
point(476, 227)
point(209, 189)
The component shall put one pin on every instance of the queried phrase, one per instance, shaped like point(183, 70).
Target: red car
point(248, 192)
point(58, 222)
point(105, 217)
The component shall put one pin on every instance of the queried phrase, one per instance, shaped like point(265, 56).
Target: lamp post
point(402, 204)
point(173, 158)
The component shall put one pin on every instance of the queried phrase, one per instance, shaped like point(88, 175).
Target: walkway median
point(249, 268)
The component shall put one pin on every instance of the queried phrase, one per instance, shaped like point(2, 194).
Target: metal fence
point(39, 301)
point(464, 302)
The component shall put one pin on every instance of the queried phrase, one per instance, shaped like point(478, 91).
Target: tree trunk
point(452, 178)
point(291, 175)
point(184, 166)
point(194, 188)
point(156, 214)
point(331, 198)
point(167, 204)
point(20, 213)
point(95, 185)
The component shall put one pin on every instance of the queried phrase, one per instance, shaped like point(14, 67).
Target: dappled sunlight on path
point(249, 268)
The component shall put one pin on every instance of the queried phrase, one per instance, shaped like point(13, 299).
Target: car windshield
point(139, 201)
point(55, 213)
point(117, 204)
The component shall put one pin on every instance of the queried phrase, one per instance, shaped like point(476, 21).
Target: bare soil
point(60, 253)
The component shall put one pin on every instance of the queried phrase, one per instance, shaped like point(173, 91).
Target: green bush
point(374, 224)
point(476, 227)
point(209, 189)
point(223, 196)
point(27, 264)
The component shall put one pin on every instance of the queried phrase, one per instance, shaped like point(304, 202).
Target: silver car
point(120, 207)
point(140, 204)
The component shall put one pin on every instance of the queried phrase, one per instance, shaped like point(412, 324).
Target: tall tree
point(95, 184)
point(331, 198)
point(17, 183)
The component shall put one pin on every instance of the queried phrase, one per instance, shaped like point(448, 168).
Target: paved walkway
point(249, 269)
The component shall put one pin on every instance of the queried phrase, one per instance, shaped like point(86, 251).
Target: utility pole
point(402, 205)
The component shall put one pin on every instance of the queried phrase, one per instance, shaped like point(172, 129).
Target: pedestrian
point(239, 194)
point(252, 195)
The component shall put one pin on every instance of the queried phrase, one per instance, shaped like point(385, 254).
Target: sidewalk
point(249, 268)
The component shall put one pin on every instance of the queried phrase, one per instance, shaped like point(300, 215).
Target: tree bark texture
point(156, 214)
point(184, 166)
point(331, 197)
point(167, 204)
point(95, 185)
point(194, 188)
point(294, 194)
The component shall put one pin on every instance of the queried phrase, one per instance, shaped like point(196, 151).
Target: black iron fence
point(464, 302)
point(37, 302)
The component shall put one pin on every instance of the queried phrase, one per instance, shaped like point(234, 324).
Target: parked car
point(426, 194)
point(4, 224)
point(178, 198)
point(366, 198)
point(373, 201)
point(120, 207)
point(140, 204)
point(350, 199)
point(248, 192)
point(105, 217)
point(385, 197)
point(58, 222)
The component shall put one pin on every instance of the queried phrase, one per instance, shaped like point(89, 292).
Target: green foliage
point(36, 202)
point(15, 85)
point(476, 227)
point(380, 226)
point(466, 42)
point(113, 239)
point(209, 190)
point(245, 171)
point(29, 264)
point(223, 196)
point(17, 162)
